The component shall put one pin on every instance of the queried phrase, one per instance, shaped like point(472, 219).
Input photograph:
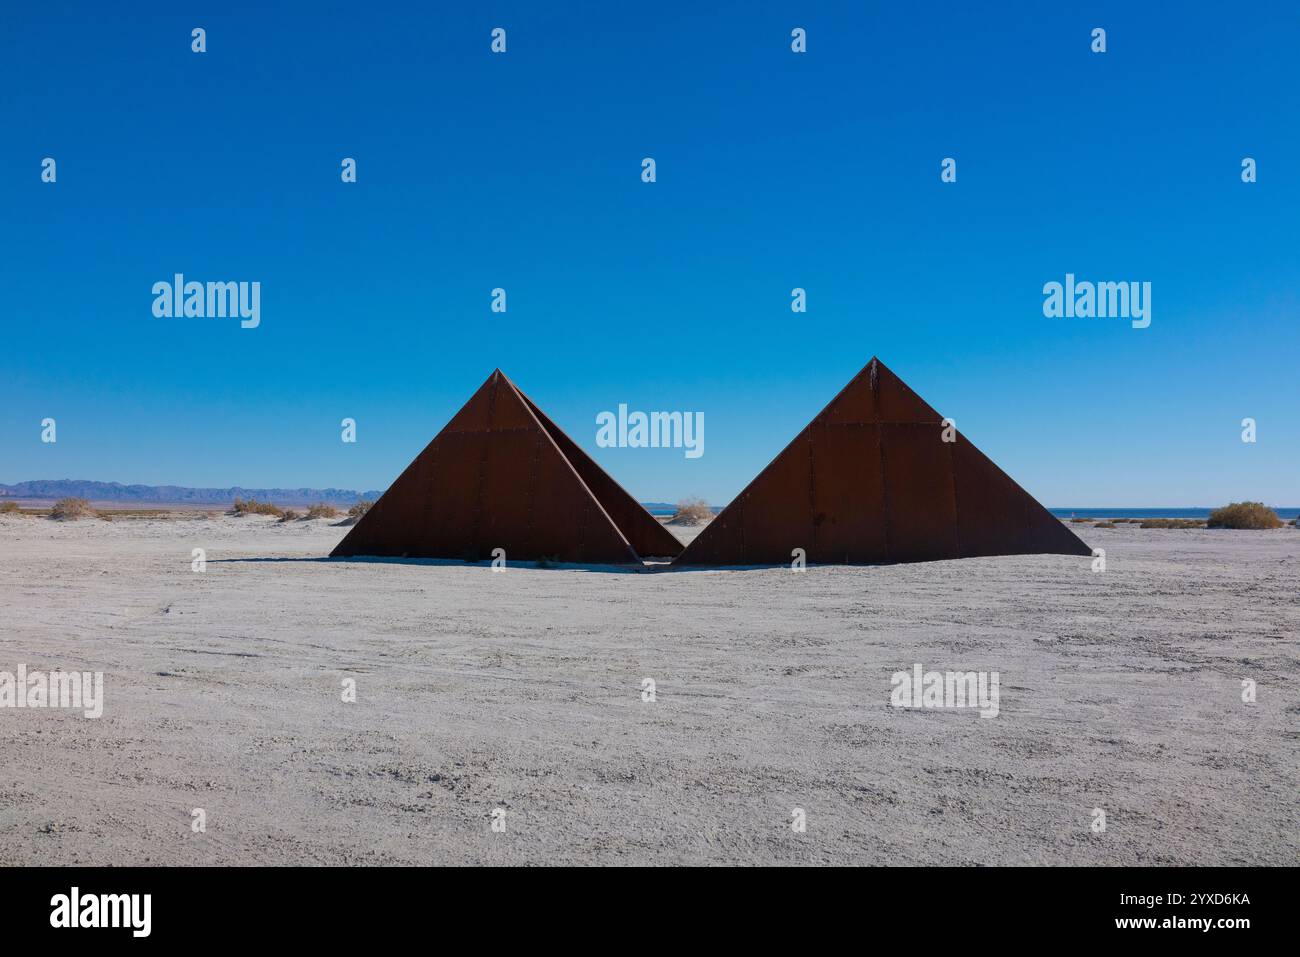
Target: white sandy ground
point(521, 690)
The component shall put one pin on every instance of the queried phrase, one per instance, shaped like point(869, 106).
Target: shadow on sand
point(454, 562)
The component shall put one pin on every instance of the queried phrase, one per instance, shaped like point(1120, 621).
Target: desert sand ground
point(521, 690)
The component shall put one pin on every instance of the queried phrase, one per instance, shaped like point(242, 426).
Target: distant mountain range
point(52, 489)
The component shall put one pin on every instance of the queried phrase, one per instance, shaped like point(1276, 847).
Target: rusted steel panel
point(507, 494)
point(646, 533)
point(871, 480)
point(920, 505)
point(426, 521)
point(777, 509)
point(992, 512)
point(997, 517)
point(493, 478)
point(848, 495)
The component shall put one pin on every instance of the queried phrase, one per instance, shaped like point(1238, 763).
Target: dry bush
point(1244, 515)
point(71, 509)
point(356, 511)
point(253, 507)
point(288, 515)
point(10, 508)
point(1079, 521)
point(691, 511)
point(321, 510)
point(1104, 525)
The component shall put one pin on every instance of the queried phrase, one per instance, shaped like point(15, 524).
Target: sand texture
point(522, 690)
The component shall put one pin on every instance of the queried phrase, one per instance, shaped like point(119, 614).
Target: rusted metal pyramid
point(870, 480)
point(502, 475)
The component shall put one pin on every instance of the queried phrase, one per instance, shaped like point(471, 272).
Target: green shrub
point(1244, 515)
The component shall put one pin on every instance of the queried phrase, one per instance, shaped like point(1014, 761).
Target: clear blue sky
point(775, 170)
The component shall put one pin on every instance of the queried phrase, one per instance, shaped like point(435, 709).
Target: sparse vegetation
point(1079, 521)
point(321, 510)
point(1104, 525)
point(288, 515)
point(691, 511)
point(1244, 515)
point(356, 511)
point(71, 509)
point(1171, 523)
point(253, 507)
point(9, 508)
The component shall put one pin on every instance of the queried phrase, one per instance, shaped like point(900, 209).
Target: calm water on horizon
point(1286, 514)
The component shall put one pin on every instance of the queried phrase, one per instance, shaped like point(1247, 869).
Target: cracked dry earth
point(522, 691)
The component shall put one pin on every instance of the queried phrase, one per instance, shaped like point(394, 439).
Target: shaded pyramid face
point(870, 480)
point(501, 475)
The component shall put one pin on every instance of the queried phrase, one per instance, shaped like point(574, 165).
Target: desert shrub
point(321, 510)
point(253, 507)
point(1171, 523)
point(288, 515)
point(9, 508)
point(1078, 521)
point(1104, 525)
point(1244, 515)
point(691, 511)
point(356, 511)
point(71, 509)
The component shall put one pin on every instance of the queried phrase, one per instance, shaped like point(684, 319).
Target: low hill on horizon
point(53, 489)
